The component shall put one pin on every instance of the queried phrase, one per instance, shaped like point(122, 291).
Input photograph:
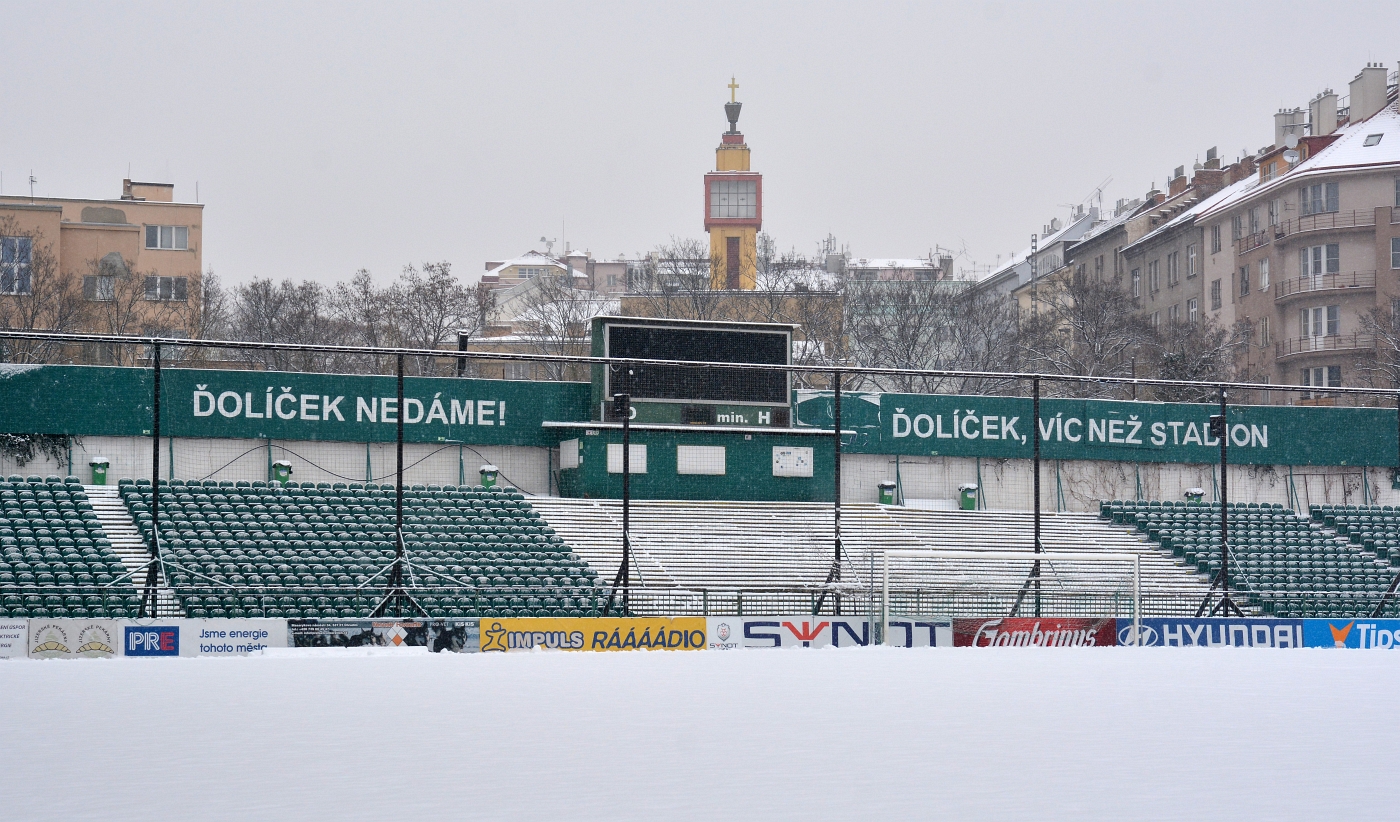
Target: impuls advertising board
point(593, 634)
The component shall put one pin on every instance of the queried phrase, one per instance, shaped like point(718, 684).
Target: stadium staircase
point(127, 544)
point(717, 547)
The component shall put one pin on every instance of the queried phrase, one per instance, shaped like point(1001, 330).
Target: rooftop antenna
point(548, 246)
point(32, 181)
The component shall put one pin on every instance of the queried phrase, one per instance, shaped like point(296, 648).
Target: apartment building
point(126, 265)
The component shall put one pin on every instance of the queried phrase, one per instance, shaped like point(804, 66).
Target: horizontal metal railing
point(1355, 341)
point(1324, 282)
point(1357, 218)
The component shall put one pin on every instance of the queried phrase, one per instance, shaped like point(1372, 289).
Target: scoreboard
point(696, 394)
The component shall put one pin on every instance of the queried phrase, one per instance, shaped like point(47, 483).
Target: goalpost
point(1029, 582)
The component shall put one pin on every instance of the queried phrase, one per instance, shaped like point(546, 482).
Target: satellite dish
point(1290, 156)
point(1291, 141)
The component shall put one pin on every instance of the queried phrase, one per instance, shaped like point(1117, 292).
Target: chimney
point(1286, 122)
point(155, 192)
point(1153, 196)
point(1177, 184)
point(1212, 158)
point(1368, 92)
point(1322, 113)
point(1207, 181)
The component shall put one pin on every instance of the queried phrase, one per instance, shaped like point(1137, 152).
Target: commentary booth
point(712, 430)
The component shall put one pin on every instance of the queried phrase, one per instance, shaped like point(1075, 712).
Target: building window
point(1215, 239)
point(519, 371)
point(1215, 295)
point(1174, 315)
point(167, 289)
point(1320, 321)
point(100, 288)
point(1173, 268)
point(1263, 332)
point(733, 199)
point(1237, 227)
point(1395, 252)
point(1372, 140)
point(1275, 207)
point(1397, 192)
point(1098, 268)
point(175, 237)
point(1190, 261)
point(1264, 274)
point(1135, 283)
point(1244, 281)
point(1154, 277)
point(16, 256)
point(1254, 220)
point(1319, 259)
point(1326, 376)
point(1156, 319)
point(1193, 311)
point(1317, 199)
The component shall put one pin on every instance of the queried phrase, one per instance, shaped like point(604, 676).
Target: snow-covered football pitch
point(861, 733)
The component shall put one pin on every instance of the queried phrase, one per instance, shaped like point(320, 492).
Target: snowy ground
point(831, 734)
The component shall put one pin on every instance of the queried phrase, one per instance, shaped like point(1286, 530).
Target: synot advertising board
point(792, 631)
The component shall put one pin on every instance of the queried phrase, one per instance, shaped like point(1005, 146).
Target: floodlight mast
point(622, 406)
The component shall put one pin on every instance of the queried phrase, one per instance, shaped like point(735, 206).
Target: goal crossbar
point(1025, 556)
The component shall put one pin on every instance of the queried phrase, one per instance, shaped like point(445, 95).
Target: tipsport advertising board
point(1368, 634)
point(593, 634)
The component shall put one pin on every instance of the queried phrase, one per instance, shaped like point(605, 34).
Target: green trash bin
point(281, 472)
point(968, 499)
point(488, 475)
point(1194, 494)
point(887, 493)
point(99, 470)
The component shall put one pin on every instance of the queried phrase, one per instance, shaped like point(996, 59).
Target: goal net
point(973, 583)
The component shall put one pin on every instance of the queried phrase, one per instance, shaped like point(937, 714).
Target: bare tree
point(1202, 351)
point(34, 294)
point(285, 312)
point(1084, 327)
point(555, 320)
point(675, 282)
point(429, 307)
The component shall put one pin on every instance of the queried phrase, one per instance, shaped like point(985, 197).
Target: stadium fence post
point(148, 594)
point(1035, 461)
point(834, 575)
point(622, 406)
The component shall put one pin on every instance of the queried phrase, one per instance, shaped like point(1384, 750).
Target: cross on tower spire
point(733, 87)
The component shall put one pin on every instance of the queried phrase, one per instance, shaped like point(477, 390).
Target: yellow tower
point(733, 207)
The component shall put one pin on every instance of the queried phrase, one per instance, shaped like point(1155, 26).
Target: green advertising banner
point(97, 401)
point(957, 426)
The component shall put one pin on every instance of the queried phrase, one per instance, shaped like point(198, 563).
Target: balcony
point(1294, 346)
point(1325, 222)
point(1251, 242)
point(1312, 284)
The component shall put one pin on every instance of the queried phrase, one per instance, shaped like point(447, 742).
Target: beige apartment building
point(1307, 261)
point(127, 265)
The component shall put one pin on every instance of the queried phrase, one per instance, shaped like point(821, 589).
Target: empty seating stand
point(55, 560)
point(247, 549)
point(1285, 565)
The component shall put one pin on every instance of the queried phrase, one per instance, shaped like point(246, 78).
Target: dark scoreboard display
point(699, 383)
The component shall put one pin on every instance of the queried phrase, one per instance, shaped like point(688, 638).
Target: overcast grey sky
point(330, 137)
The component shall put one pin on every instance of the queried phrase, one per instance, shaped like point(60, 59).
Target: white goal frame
point(1067, 556)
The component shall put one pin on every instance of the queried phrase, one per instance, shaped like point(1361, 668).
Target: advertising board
point(357, 633)
point(919, 632)
point(230, 637)
point(800, 631)
point(593, 633)
point(14, 638)
point(1370, 634)
point(1214, 633)
point(74, 638)
point(1035, 632)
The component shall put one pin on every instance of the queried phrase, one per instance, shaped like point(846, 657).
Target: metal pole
point(1224, 504)
point(1035, 459)
point(626, 501)
point(148, 595)
point(398, 494)
point(836, 478)
point(1137, 598)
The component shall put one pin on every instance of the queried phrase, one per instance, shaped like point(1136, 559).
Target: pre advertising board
point(593, 634)
point(1034, 632)
point(93, 401)
point(959, 426)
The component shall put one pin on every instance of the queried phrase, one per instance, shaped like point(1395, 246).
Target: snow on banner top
point(1071, 429)
point(97, 401)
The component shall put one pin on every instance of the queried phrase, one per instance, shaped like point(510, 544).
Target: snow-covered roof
point(1112, 222)
point(1347, 153)
point(533, 259)
point(1219, 199)
point(1071, 232)
point(883, 263)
